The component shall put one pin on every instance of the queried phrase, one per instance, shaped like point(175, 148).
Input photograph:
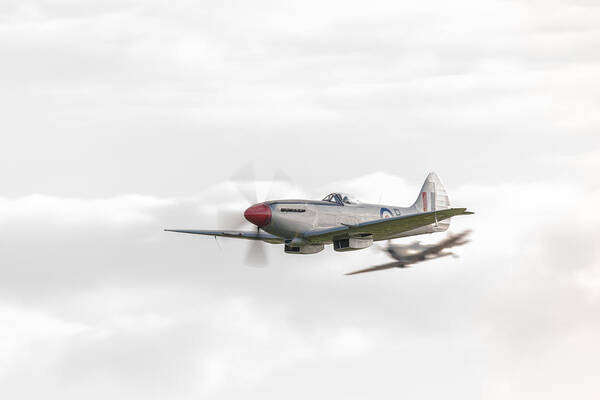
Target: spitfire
point(307, 226)
point(409, 254)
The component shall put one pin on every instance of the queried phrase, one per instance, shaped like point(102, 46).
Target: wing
point(451, 241)
point(251, 235)
point(384, 228)
point(394, 264)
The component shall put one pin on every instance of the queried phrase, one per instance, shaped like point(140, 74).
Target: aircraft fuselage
point(291, 218)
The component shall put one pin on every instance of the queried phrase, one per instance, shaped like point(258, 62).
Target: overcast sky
point(121, 118)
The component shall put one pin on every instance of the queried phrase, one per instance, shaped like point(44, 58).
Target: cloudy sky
point(120, 118)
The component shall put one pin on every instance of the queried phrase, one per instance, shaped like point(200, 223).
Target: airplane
point(408, 254)
point(306, 226)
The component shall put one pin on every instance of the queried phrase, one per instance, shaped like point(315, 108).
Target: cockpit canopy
point(340, 198)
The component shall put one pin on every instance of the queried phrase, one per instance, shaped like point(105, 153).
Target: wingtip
point(355, 272)
point(463, 211)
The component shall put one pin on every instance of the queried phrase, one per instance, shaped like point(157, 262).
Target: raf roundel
point(385, 213)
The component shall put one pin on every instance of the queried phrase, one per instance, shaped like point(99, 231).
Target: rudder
point(433, 197)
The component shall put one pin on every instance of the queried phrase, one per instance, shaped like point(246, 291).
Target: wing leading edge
point(250, 235)
point(394, 264)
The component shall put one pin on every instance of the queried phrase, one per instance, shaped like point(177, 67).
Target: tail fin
point(433, 197)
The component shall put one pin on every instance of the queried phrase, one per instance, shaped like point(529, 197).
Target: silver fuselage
point(292, 218)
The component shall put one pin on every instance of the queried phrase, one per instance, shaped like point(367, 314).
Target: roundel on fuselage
point(385, 213)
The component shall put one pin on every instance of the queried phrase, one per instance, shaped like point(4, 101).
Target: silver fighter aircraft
point(408, 254)
point(306, 226)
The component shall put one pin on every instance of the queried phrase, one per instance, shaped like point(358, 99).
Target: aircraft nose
point(258, 214)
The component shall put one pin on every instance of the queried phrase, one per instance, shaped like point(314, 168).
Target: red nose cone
point(259, 214)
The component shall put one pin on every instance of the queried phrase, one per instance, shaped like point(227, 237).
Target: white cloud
point(112, 97)
point(197, 319)
point(349, 342)
point(586, 161)
point(31, 337)
point(59, 213)
point(210, 342)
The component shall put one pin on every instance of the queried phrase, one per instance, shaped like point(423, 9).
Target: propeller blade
point(256, 255)
point(245, 183)
point(230, 219)
point(278, 183)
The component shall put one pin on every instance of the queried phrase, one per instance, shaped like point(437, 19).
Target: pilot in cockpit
point(340, 198)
